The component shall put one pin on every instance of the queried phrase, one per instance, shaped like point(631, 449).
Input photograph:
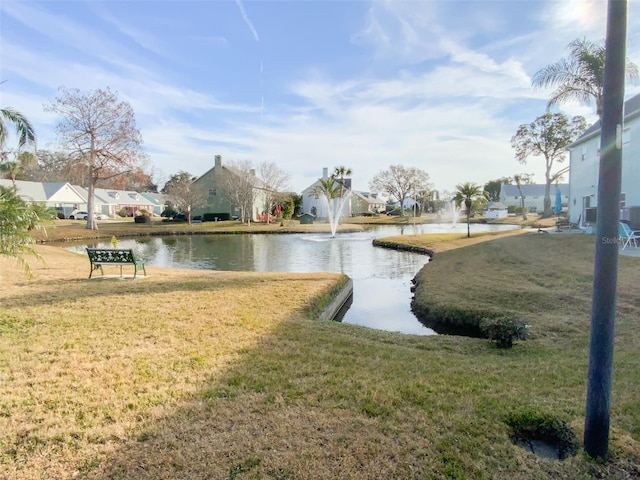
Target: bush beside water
point(504, 330)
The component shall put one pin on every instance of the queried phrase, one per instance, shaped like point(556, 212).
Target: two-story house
point(231, 192)
point(584, 170)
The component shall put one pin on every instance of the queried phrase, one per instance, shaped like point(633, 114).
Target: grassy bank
point(71, 230)
point(198, 375)
point(546, 280)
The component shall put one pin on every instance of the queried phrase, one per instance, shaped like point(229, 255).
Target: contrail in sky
point(247, 20)
point(243, 12)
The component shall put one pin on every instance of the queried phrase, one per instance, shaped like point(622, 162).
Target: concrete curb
point(338, 301)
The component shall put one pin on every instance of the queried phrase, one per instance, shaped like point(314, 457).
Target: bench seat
point(114, 256)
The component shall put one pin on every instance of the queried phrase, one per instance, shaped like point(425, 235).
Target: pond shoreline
point(403, 247)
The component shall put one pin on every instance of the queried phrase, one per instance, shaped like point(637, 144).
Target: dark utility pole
point(603, 310)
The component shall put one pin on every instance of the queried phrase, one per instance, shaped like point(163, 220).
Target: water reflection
point(381, 277)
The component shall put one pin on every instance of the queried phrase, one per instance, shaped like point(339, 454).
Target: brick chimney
point(218, 161)
point(325, 173)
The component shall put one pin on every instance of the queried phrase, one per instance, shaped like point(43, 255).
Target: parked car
point(79, 215)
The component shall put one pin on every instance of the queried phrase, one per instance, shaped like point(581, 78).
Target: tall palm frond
point(24, 129)
point(328, 187)
point(340, 173)
point(580, 77)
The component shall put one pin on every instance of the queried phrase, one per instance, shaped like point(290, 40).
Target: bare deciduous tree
point(237, 184)
point(398, 182)
point(186, 195)
point(274, 181)
point(101, 133)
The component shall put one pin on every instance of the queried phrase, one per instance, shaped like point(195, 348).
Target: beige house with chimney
point(216, 184)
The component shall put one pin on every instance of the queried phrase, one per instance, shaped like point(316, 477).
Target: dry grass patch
point(86, 363)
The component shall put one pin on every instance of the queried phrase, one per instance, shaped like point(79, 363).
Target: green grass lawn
point(198, 375)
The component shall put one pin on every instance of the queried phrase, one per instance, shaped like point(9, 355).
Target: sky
point(437, 85)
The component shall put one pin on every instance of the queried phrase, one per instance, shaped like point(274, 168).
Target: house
point(158, 200)
point(215, 184)
point(317, 204)
point(408, 204)
point(112, 202)
point(59, 195)
point(496, 210)
point(65, 197)
point(533, 196)
point(584, 163)
point(364, 203)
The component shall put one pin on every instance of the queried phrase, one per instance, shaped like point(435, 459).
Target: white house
point(60, 195)
point(533, 196)
point(584, 170)
point(317, 203)
point(65, 197)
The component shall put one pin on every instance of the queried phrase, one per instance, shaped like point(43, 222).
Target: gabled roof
point(159, 199)
point(366, 196)
point(631, 109)
point(533, 190)
point(496, 206)
point(99, 195)
point(58, 192)
point(110, 196)
point(255, 181)
point(347, 185)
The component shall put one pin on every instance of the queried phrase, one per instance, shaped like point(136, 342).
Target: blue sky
point(439, 85)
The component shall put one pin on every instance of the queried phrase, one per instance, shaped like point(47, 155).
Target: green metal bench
point(113, 256)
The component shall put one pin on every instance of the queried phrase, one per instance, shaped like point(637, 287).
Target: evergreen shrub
point(504, 330)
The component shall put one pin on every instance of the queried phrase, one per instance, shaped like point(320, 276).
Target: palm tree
point(580, 76)
point(18, 218)
point(330, 189)
point(24, 129)
point(520, 179)
point(12, 170)
point(340, 172)
point(467, 193)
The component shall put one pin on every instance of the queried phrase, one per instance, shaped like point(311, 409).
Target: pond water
point(381, 277)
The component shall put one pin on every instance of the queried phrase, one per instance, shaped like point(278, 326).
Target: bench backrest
point(110, 255)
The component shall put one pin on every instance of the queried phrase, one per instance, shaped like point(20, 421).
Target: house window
point(212, 192)
point(536, 197)
point(623, 200)
point(626, 135)
point(583, 157)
